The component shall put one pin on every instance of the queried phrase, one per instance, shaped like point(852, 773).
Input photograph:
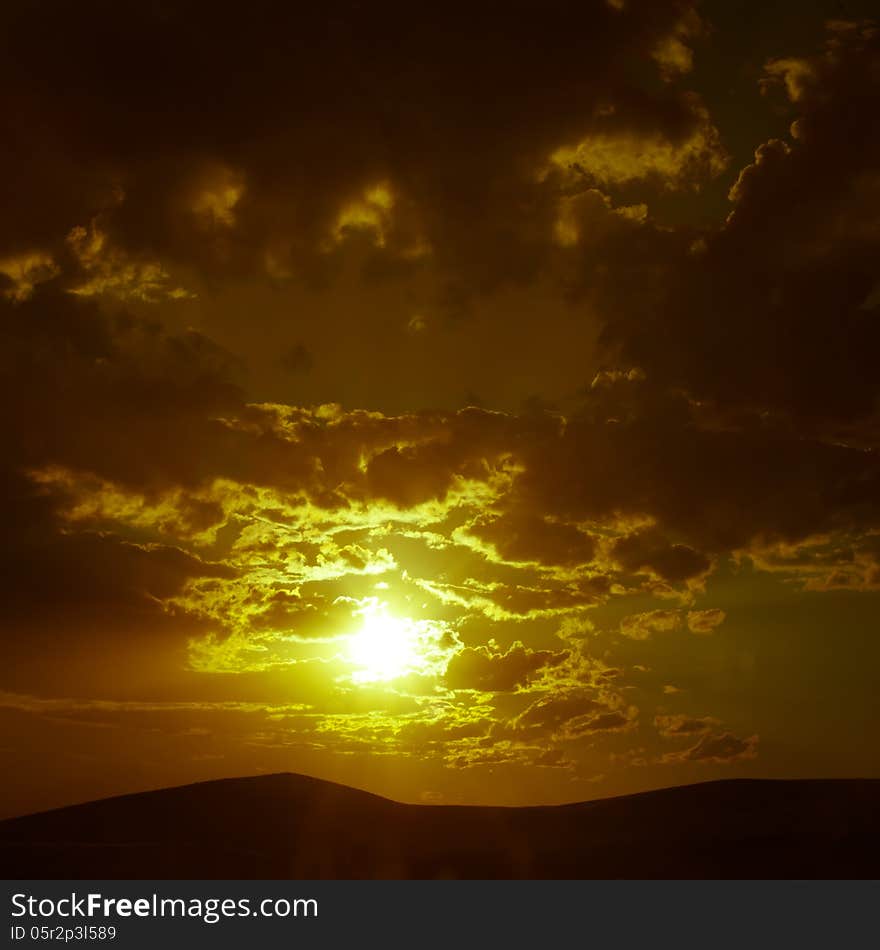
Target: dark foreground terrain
point(281, 826)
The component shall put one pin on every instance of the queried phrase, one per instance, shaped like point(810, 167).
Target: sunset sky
point(472, 403)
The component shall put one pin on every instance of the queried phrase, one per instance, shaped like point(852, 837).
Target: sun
point(385, 647)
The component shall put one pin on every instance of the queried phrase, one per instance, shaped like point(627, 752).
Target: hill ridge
point(286, 824)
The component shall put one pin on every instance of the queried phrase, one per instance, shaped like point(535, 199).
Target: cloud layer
point(387, 207)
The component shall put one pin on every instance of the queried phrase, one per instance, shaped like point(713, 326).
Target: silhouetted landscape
point(293, 826)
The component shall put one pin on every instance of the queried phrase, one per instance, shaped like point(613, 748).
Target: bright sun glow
point(385, 647)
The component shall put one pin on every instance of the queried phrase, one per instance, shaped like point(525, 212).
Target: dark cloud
point(525, 536)
point(705, 621)
point(721, 747)
point(293, 615)
point(649, 550)
point(641, 626)
point(447, 112)
point(707, 489)
point(774, 310)
point(79, 606)
point(681, 725)
point(569, 714)
point(483, 669)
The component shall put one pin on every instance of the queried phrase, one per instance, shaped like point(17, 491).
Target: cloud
point(672, 53)
point(611, 155)
point(678, 724)
point(768, 312)
point(107, 270)
point(95, 598)
point(482, 669)
point(569, 715)
point(705, 621)
point(613, 721)
point(719, 748)
point(648, 550)
point(198, 172)
point(834, 561)
point(22, 272)
point(707, 490)
point(525, 537)
point(641, 626)
point(489, 516)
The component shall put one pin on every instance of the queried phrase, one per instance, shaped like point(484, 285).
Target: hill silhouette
point(293, 826)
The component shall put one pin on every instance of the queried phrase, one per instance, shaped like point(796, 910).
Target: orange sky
point(470, 404)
